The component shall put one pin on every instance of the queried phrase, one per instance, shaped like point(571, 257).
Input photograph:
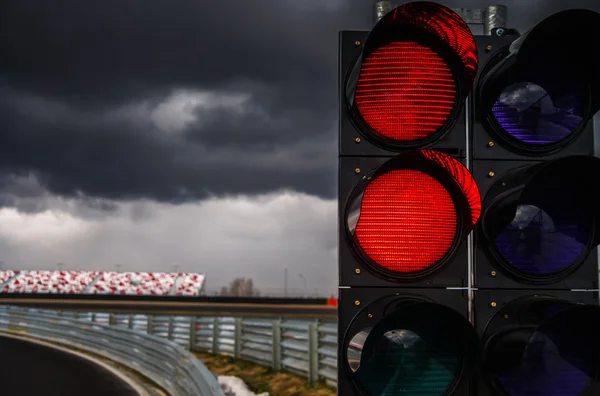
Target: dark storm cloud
point(89, 58)
point(66, 66)
point(254, 130)
point(21, 191)
point(115, 49)
point(25, 193)
point(75, 154)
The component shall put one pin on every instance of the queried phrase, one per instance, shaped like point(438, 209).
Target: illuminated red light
point(405, 91)
point(407, 221)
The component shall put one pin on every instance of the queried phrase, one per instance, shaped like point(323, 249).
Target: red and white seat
point(137, 283)
point(190, 284)
point(55, 282)
point(101, 282)
point(6, 275)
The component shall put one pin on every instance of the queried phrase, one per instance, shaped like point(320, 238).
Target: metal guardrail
point(305, 348)
point(163, 361)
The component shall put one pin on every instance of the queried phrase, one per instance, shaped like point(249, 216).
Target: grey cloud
point(225, 238)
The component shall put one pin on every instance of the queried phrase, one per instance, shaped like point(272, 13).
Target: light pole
point(304, 279)
point(285, 281)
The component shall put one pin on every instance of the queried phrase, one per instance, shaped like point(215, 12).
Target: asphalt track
point(35, 368)
point(207, 308)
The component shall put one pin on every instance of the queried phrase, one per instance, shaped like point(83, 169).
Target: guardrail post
point(150, 325)
point(130, 322)
point(170, 330)
point(276, 345)
point(14, 317)
point(112, 321)
point(93, 316)
point(237, 346)
point(193, 338)
point(215, 337)
point(313, 352)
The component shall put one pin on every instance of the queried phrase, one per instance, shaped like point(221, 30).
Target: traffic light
point(536, 267)
point(406, 205)
point(404, 83)
point(533, 157)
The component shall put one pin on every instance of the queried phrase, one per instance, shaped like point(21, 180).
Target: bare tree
point(240, 287)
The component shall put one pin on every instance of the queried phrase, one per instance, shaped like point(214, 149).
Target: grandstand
point(102, 282)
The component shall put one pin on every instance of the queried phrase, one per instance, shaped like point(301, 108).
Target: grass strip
point(264, 379)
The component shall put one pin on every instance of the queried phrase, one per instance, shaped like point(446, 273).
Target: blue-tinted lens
point(535, 245)
point(558, 360)
point(545, 372)
point(528, 113)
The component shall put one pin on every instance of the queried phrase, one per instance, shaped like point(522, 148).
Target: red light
point(407, 221)
point(405, 91)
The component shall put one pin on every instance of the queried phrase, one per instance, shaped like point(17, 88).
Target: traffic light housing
point(526, 121)
point(405, 342)
point(406, 220)
point(540, 226)
point(533, 146)
point(403, 84)
point(407, 203)
point(393, 135)
point(535, 93)
point(408, 200)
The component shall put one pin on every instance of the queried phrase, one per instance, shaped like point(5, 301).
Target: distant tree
point(240, 287)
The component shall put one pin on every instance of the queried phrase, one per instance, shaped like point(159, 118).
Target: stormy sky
point(187, 134)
